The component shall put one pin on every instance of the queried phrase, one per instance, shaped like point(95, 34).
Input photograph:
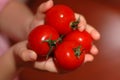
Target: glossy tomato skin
point(83, 38)
point(60, 17)
point(65, 56)
point(38, 36)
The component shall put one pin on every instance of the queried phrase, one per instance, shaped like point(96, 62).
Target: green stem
point(52, 44)
point(74, 24)
point(51, 48)
point(77, 51)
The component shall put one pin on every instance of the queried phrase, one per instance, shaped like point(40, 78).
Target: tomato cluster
point(59, 36)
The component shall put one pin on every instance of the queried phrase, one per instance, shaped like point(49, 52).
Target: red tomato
point(69, 55)
point(42, 38)
point(60, 17)
point(83, 38)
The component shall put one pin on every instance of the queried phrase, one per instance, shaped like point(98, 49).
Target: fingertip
point(45, 6)
point(88, 58)
point(28, 55)
point(94, 50)
point(32, 55)
point(95, 34)
point(49, 3)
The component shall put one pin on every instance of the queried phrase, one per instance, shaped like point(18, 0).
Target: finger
point(23, 53)
point(88, 58)
point(45, 6)
point(82, 24)
point(94, 33)
point(94, 50)
point(46, 65)
point(39, 17)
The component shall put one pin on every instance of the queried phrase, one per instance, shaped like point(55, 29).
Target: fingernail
point(32, 56)
point(88, 58)
point(94, 50)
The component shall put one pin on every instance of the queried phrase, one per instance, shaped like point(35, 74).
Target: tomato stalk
point(60, 39)
point(74, 24)
point(77, 51)
point(52, 44)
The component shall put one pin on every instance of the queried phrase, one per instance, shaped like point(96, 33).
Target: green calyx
point(77, 51)
point(52, 44)
point(74, 24)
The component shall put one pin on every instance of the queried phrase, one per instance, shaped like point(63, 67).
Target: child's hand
point(27, 55)
point(39, 19)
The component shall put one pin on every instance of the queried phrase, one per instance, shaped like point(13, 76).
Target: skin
point(18, 20)
point(20, 24)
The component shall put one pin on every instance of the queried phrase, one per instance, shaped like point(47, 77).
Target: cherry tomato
point(60, 17)
point(69, 55)
point(42, 38)
point(83, 38)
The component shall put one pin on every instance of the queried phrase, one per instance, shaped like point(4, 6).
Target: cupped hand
point(29, 55)
point(39, 19)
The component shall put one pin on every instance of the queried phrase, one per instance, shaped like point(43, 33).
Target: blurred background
point(104, 15)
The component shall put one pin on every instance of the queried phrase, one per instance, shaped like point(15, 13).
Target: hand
point(39, 19)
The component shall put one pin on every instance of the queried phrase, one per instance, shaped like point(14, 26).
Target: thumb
point(40, 15)
point(45, 6)
point(23, 53)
